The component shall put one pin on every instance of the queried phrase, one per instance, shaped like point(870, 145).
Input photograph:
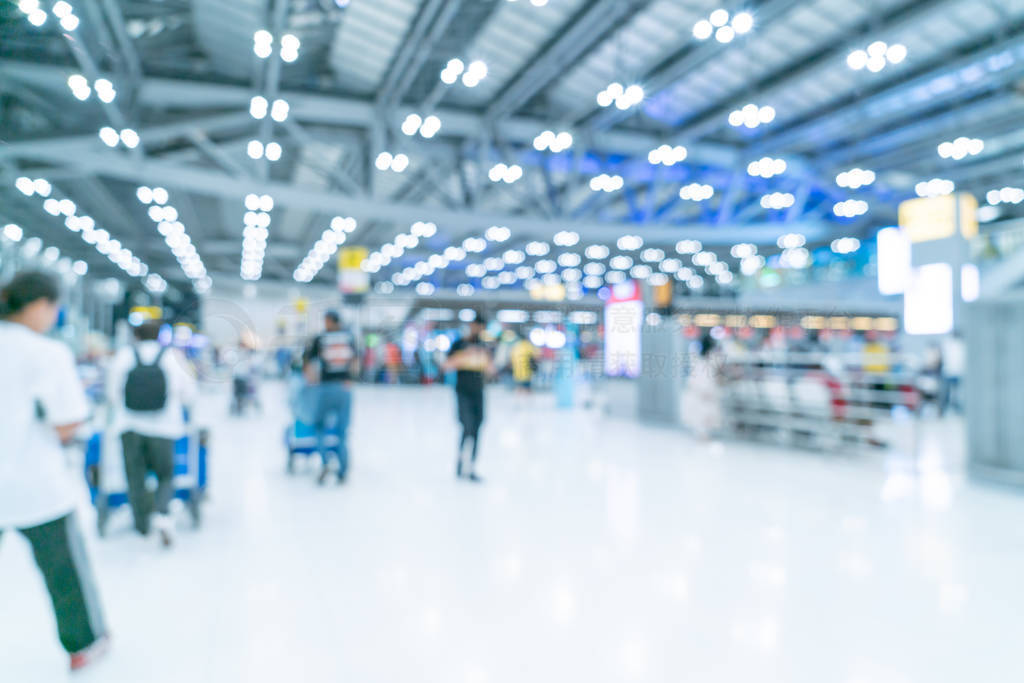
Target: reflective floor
point(598, 549)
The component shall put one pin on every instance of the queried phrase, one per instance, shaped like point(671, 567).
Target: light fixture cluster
point(667, 155)
point(535, 3)
point(397, 247)
point(708, 260)
point(752, 265)
point(471, 75)
point(743, 250)
point(795, 257)
point(257, 150)
point(81, 89)
point(777, 200)
point(606, 183)
point(850, 208)
point(85, 226)
point(766, 167)
point(696, 192)
point(936, 187)
point(255, 234)
point(506, 173)
point(629, 242)
point(173, 231)
point(845, 245)
point(259, 107)
point(1007, 195)
point(427, 126)
point(597, 251)
point(961, 148)
point(878, 55)
point(263, 45)
point(497, 233)
point(536, 248)
point(554, 142)
point(566, 238)
point(623, 97)
point(751, 116)
point(652, 255)
point(127, 136)
point(791, 240)
point(722, 26)
point(324, 248)
point(63, 11)
point(688, 246)
point(386, 161)
point(855, 178)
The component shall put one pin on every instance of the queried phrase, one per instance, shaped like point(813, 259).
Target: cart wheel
point(193, 508)
point(102, 514)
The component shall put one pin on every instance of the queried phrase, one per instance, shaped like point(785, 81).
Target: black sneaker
point(342, 478)
point(473, 477)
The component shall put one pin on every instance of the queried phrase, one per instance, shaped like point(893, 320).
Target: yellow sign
point(350, 258)
point(352, 279)
point(300, 304)
point(935, 218)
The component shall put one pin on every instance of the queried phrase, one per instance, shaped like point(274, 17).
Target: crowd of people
point(150, 388)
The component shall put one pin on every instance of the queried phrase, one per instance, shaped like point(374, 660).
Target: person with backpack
point(42, 404)
point(149, 386)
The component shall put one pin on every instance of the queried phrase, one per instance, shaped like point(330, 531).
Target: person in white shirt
point(149, 387)
point(42, 403)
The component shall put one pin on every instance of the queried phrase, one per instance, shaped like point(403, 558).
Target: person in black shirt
point(330, 361)
point(471, 359)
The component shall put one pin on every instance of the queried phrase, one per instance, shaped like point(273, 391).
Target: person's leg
point(464, 407)
point(321, 418)
point(343, 417)
point(160, 461)
point(60, 553)
point(135, 474)
point(477, 419)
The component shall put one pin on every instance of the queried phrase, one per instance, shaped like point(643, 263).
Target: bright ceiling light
point(130, 138)
point(109, 136)
point(719, 17)
point(272, 151)
point(279, 110)
point(725, 34)
point(743, 22)
point(254, 149)
point(696, 192)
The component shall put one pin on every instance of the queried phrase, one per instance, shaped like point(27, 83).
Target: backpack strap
point(156, 361)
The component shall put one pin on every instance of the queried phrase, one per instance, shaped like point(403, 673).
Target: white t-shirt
point(168, 423)
point(39, 390)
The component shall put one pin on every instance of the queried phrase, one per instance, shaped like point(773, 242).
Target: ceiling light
point(934, 188)
point(703, 29)
point(272, 151)
point(667, 155)
point(109, 136)
point(855, 178)
point(850, 208)
point(696, 192)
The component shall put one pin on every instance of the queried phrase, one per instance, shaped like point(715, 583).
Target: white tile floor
point(597, 550)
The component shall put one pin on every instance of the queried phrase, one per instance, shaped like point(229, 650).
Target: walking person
point(330, 362)
point(42, 403)
point(471, 359)
point(149, 387)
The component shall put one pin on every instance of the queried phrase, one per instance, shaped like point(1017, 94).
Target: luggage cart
point(300, 440)
point(300, 436)
point(190, 476)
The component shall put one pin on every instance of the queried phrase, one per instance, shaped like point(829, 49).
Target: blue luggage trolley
point(190, 477)
point(300, 436)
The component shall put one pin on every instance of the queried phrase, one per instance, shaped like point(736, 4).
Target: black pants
point(471, 416)
point(142, 455)
point(60, 554)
